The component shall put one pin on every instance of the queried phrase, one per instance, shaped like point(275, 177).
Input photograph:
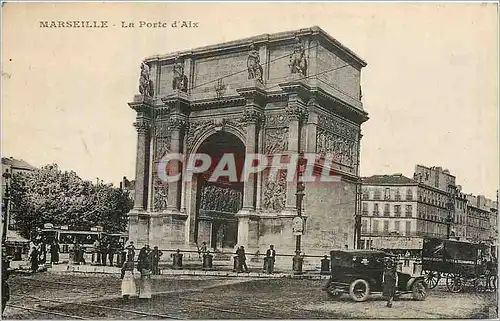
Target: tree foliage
point(49, 195)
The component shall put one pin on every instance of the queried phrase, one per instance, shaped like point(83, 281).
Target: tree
point(49, 195)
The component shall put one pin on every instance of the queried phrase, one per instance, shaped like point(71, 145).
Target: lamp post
point(6, 205)
point(298, 223)
point(451, 209)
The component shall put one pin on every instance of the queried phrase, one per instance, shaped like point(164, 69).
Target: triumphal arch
point(281, 93)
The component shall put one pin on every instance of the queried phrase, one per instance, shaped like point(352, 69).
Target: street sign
point(297, 226)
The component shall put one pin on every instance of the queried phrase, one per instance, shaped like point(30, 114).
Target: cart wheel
point(454, 283)
point(493, 282)
point(333, 292)
point(480, 284)
point(359, 290)
point(432, 279)
point(419, 291)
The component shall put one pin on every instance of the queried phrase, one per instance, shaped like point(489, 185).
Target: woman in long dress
point(144, 266)
point(128, 282)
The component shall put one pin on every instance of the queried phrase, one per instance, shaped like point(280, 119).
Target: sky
point(430, 86)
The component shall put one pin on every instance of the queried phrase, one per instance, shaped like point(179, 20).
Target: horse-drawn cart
point(461, 263)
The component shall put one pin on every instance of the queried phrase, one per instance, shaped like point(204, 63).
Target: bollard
point(207, 262)
point(236, 265)
point(325, 265)
point(297, 264)
point(177, 263)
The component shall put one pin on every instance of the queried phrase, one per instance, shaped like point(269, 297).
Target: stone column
point(252, 117)
point(177, 125)
point(142, 164)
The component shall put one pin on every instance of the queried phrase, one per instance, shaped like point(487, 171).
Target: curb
point(173, 272)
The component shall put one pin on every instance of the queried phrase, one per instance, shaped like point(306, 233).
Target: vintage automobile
point(359, 274)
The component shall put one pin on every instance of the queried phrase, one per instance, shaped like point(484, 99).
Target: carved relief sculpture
point(220, 89)
point(275, 193)
point(145, 83)
point(160, 201)
point(276, 140)
point(343, 149)
point(298, 62)
point(180, 81)
point(253, 63)
point(220, 199)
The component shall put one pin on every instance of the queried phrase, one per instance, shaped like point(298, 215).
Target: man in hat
point(389, 280)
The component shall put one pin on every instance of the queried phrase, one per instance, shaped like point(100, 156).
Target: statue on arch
point(253, 63)
point(145, 83)
point(180, 81)
point(298, 62)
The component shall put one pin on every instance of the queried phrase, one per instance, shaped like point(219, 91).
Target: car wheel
point(419, 290)
point(359, 290)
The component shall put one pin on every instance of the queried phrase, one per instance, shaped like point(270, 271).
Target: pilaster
point(253, 117)
point(296, 110)
point(143, 106)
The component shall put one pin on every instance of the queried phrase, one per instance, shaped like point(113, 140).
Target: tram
point(68, 237)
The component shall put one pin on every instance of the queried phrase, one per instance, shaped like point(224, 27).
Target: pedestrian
point(144, 267)
point(156, 255)
point(34, 258)
point(54, 252)
point(130, 250)
point(111, 251)
point(203, 250)
point(128, 281)
point(389, 280)
point(270, 259)
point(96, 256)
point(5, 284)
point(104, 250)
point(242, 259)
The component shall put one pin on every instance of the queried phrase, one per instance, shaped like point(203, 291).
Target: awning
point(14, 237)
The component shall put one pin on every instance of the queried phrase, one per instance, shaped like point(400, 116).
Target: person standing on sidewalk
point(389, 280)
point(144, 266)
point(54, 252)
point(242, 259)
point(127, 276)
point(270, 259)
point(155, 258)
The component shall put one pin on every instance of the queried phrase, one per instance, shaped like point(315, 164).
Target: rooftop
point(17, 163)
point(394, 179)
point(275, 37)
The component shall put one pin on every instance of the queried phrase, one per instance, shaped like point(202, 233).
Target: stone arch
point(207, 132)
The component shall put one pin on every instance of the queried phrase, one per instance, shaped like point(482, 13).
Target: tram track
point(231, 310)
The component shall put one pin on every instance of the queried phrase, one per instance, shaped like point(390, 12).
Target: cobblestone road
point(66, 296)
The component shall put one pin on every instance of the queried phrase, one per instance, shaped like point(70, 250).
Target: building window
point(365, 208)
point(398, 195)
point(409, 194)
point(409, 210)
point(364, 224)
point(375, 227)
point(376, 194)
point(386, 226)
point(408, 228)
point(375, 209)
point(396, 226)
point(386, 209)
point(397, 210)
point(366, 193)
point(387, 194)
